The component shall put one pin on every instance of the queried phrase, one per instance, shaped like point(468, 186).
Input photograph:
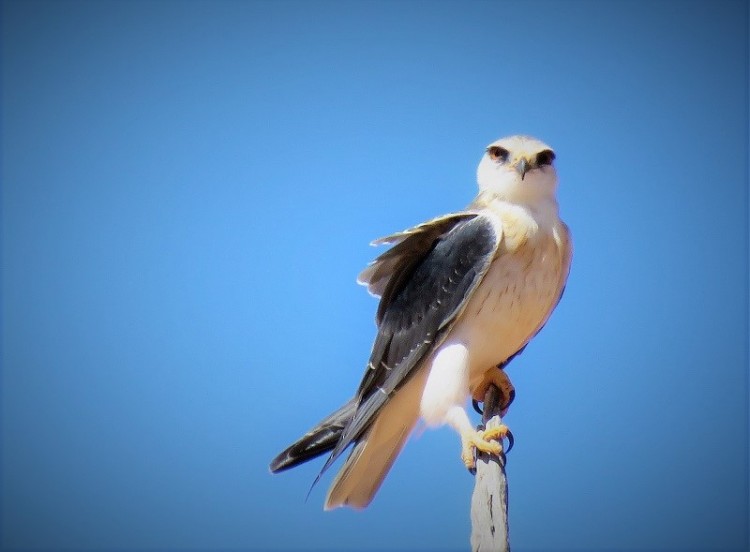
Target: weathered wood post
point(489, 503)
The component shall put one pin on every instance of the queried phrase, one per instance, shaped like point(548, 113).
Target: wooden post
point(489, 503)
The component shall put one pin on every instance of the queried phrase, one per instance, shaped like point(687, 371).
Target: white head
point(518, 169)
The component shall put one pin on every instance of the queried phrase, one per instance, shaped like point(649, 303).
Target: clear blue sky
point(188, 191)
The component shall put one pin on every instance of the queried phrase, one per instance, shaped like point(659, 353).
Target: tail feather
point(319, 440)
point(375, 451)
point(364, 471)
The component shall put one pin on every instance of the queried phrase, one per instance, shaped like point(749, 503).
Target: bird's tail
point(375, 451)
point(319, 440)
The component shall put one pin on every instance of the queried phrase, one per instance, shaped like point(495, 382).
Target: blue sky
point(188, 191)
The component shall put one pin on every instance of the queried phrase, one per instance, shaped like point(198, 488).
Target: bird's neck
point(542, 210)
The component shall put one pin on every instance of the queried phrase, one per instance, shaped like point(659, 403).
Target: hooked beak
point(522, 166)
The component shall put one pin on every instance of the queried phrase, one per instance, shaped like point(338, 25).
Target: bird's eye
point(545, 158)
point(498, 154)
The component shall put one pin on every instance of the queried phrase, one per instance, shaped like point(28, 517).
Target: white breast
point(513, 301)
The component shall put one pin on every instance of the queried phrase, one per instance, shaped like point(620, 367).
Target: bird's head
point(518, 169)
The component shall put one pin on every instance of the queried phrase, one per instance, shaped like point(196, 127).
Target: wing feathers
point(420, 302)
point(425, 281)
point(319, 440)
point(374, 454)
point(408, 247)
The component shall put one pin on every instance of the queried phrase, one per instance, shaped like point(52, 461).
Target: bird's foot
point(495, 376)
point(484, 440)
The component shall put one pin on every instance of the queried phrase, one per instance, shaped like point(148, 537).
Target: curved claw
point(477, 409)
point(511, 441)
point(511, 397)
point(498, 380)
point(509, 436)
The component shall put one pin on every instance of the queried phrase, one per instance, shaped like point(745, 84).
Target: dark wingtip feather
point(308, 447)
point(319, 440)
point(282, 462)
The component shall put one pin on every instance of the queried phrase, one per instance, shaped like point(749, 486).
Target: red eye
point(498, 154)
point(545, 158)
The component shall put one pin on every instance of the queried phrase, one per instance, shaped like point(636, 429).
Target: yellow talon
point(486, 440)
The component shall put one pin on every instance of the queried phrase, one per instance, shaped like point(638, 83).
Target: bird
point(460, 296)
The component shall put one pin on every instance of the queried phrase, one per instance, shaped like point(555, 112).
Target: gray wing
point(425, 281)
point(408, 248)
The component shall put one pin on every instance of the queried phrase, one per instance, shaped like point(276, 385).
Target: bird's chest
point(513, 301)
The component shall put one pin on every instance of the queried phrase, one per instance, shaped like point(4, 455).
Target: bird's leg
point(496, 376)
point(488, 440)
point(485, 440)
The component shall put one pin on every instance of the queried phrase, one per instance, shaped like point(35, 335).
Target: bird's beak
point(522, 166)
